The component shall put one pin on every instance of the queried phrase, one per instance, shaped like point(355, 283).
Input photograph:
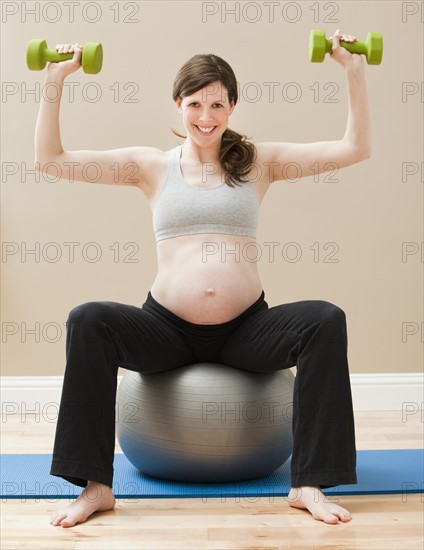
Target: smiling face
point(205, 113)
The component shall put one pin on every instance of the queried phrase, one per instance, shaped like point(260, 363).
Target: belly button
point(210, 292)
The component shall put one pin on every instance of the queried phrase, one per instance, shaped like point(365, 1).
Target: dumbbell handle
point(352, 47)
point(55, 56)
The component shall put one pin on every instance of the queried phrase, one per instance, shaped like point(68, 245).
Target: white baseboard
point(370, 392)
point(388, 392)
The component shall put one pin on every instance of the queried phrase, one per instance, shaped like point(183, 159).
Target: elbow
point(368, 153)
point(357, 151)
point(40, 166)
point(43, 164)
point(364, 154)
point(361, 153)
point(45, 159)
point(39, 160)
point(44, 167)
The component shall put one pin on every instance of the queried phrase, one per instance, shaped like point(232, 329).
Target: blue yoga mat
point(379, 472)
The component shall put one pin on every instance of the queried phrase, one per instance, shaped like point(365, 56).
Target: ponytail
point(236, 157)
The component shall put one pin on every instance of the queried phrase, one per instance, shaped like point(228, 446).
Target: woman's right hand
point(64, 68)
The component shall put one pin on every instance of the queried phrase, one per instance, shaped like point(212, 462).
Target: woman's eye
point(196, 104)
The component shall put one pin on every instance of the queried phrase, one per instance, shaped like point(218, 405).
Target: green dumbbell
point(38, 54)
point(372, 48)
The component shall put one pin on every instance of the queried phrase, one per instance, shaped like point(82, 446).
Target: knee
point(333, 322)
point(89, 312)
point(332, 313)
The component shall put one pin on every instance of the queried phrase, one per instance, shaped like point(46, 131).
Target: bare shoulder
point(153, 164)
point(263, 168)
point(268, 151)
point(150, 159)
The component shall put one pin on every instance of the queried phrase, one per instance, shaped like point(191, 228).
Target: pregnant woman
point(206, 308)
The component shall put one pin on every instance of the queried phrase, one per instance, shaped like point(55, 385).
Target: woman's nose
point(205, 115)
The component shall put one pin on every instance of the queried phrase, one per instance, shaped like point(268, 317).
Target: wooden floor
point(386, 522)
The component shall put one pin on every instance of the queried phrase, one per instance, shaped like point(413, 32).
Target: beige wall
point(369, 211)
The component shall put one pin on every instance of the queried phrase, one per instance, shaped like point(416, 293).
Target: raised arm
point(114, 167)
point(324, 156)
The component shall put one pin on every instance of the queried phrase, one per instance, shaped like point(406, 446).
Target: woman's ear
point(232, 106)
point(178, 103)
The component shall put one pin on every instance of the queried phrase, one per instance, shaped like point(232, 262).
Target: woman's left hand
point(340, 54)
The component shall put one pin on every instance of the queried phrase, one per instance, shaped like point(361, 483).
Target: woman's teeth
point(206, 130)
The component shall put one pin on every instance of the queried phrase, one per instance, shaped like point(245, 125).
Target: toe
point(68, 521)
point(342, 513)
point(57, 518)
point(345, 516)
point(331, 518)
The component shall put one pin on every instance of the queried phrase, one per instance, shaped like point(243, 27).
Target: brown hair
point(236, 154)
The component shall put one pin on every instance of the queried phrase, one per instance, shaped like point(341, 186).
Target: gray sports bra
point(182, 209)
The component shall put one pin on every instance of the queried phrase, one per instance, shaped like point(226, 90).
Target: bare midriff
point(207, 278)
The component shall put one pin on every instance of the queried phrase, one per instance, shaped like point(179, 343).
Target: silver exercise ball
point(206, 422)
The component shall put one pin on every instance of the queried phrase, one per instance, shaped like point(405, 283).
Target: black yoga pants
point(309, 334)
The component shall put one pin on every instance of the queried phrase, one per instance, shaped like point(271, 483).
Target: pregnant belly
point(206, 283)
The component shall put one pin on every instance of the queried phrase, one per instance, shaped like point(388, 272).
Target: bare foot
point(96, 497)
point(314, 500)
